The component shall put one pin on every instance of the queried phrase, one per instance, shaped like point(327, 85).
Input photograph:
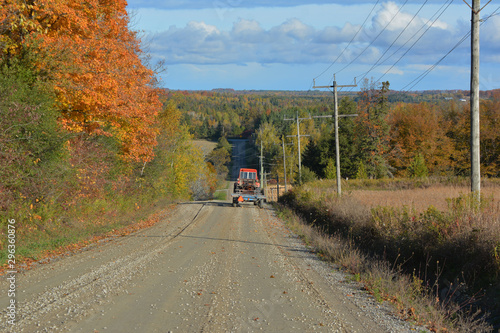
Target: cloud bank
point(294, 42)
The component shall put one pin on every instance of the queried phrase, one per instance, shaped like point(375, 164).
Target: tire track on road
point(79, 295)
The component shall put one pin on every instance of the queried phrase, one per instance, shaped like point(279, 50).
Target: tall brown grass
point(457, 244)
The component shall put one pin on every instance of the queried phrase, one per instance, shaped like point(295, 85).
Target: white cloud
point(292, 37)
point(248, 31)
point(490, 33)
point(389, 70)
point(202, 27)
point(289, 42)
point(294, 29)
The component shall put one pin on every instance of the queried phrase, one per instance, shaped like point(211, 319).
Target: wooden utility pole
point(298, 140)
point(284, 161)
point(264, 185)
point(336, 118)
point(474, 101)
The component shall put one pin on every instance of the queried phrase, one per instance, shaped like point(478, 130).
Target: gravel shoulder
point(205, 267)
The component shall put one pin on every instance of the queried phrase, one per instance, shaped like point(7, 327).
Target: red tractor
point(247, 188)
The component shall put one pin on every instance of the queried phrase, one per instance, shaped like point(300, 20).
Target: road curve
point(205, 267)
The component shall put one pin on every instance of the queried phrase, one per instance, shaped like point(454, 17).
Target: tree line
point(84, 128)
point(417, 135)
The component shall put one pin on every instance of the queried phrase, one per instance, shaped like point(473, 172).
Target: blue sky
point(285, 44)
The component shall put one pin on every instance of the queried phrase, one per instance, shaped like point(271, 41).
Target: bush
point(460, 244)
point(361, 171)
point(417, 168)
point(330, 169)
point(308, 175)
point(31, 140)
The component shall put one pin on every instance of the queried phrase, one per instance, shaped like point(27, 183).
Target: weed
point(464, 237)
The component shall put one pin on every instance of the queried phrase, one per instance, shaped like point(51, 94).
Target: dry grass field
point(419, 198)
point(205, 146)
point(443, 235)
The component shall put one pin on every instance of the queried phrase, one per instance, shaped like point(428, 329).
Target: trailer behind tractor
point(247, 188)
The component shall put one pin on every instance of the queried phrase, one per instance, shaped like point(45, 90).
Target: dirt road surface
point(206, 267)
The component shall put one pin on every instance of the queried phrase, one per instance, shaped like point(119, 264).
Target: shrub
point(31, 140)
point(459, 244)
point(330, 169)
point(361, 172)
point(417, 168)
point(308, 175)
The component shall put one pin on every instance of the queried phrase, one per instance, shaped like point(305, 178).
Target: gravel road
point(205, 267)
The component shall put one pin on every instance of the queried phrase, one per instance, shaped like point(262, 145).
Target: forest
point(425, 135)
point(87, 142)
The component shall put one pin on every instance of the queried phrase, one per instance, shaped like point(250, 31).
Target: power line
point(431, 68)
point(433, 18)
point(395, 40)
point(418, 39)
point(373, 41)
point(350, 42)
point(336, 119)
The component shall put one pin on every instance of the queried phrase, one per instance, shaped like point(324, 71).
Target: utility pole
point(261, 162)
point(284, 161)
point(474, 101)
point(336, 118)
point(298, 140)
point(475, 136)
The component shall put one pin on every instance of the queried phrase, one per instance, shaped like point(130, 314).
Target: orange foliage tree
point(419, 129)
point(490, 135)
point(93, 60)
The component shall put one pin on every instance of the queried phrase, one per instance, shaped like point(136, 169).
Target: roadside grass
point(419, 196)
point(220, 195)
point(430, 263)
point(91, 195)
point(205, 146)
point(49, 231)
point(222, 191)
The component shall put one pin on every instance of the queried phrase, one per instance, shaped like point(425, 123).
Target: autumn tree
point(420, 129)
point(458, 116)
point(179, 168)
point(490, 135)
point(371, 131)
point(31, 141)
point(219, 158)
point(86, 50)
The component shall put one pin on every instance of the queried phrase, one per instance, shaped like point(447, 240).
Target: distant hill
point(394, 95)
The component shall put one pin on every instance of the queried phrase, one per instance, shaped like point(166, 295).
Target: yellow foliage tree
point(93, 60)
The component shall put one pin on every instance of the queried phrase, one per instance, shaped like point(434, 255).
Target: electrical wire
point(418, 39)
point(350, 42)
point(431, 68)
point(433, 18)
point(373, 41)
point(392, 44)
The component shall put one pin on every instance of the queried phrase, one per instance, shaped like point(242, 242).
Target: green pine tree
point(417, 168)
point(330, 169)
point(361, 172)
